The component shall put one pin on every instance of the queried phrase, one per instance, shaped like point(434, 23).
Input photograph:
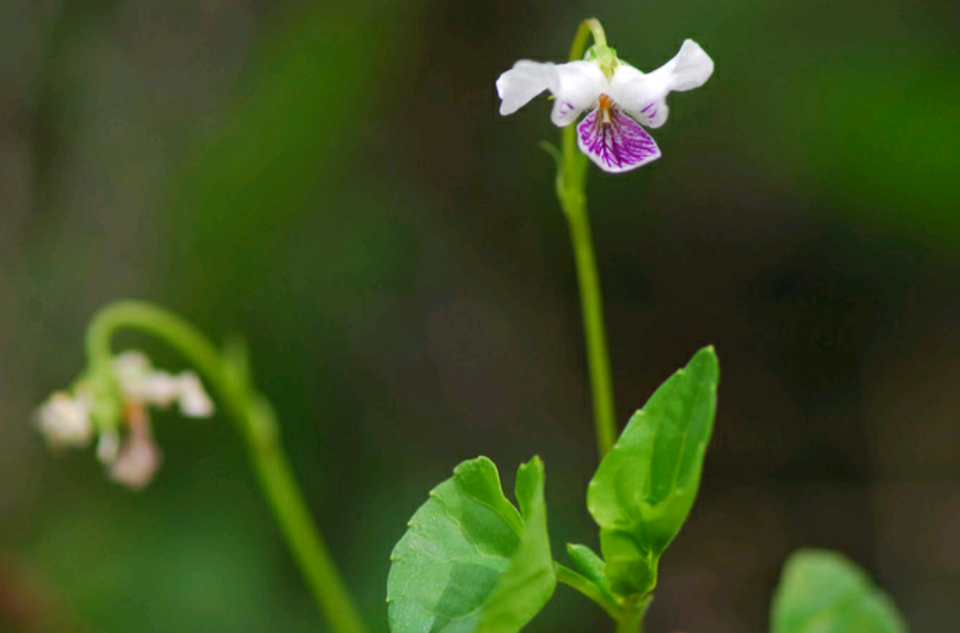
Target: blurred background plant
point(333, 181)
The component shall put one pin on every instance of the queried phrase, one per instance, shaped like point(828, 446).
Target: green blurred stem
point(571, 191)
point(257, 425)
point(631, 619)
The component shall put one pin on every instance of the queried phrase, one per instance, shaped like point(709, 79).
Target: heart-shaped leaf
point(644, 488)
point(469, 563)
point(823, 592)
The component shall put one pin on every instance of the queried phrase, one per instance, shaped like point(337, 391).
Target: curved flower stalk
point(111, 401)
point(127, 449)
point(620, 99)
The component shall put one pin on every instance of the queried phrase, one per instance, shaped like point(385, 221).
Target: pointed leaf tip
point(644, 489)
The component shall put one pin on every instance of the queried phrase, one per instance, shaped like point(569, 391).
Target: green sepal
point(99, 385)
point(645, 487)
point(824, 592)
point(604, 56)
point(469, 562)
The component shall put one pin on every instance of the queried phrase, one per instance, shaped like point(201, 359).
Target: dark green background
point(333, 181)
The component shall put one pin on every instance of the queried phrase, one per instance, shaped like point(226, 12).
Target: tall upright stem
point(571, 191)
point(258, 427)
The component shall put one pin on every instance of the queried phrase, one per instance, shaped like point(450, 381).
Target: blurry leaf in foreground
point(824, 592)
point(469, 561)
point(644, 488)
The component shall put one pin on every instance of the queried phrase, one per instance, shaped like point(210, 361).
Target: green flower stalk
point(620, 100)
point(110, 401)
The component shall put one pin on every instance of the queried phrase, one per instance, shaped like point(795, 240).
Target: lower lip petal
point(615, 143)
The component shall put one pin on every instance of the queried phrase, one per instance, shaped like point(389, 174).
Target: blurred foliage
point(332, 181)
point(823, 591)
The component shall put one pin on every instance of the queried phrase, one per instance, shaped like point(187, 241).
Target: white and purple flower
point(619, 98)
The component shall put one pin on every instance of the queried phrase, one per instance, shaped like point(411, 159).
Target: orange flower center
point(605, 104)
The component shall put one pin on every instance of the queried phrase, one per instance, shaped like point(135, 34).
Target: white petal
point(108, 447)
point(141, 383)
point(522, 83)
point(156, 388)
point(139, 457)
point(644, 95)
point(131, 363)
point(64, 421)
point(576, 87)
point(194, 401)
point(130, 368)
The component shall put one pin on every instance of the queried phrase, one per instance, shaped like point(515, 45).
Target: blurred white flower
point(139, 457)
point(619, 96)
point(129, 452)
point(143, 384)
point(64, 421)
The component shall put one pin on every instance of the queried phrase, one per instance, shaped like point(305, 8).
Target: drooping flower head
point(128, 450)
point(619, 97)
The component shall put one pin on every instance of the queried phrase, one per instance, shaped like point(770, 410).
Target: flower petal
point(140, 382)
point(194, 401)
point(644, 96)
point(108, 446)
point(576, 86)
point(522, 83)
point(617, 145)
point(139, 457)
point(64, 421)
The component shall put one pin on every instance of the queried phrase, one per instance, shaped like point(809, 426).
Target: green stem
point(258, 427)
point(571, 191)
point(631, 620)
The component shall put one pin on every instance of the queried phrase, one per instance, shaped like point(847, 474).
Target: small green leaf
point(590, 565)
point(824, 592)
point(530, 579)
point(644, 488)
point(469, 563)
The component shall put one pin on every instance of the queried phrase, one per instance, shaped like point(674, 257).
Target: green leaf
point(529, 581)
point(469, 563)
point(644, 488)
point(590, 565)
point(824, 592)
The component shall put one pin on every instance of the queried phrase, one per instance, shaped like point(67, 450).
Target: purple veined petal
point(616, 145)
point(564, 111)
